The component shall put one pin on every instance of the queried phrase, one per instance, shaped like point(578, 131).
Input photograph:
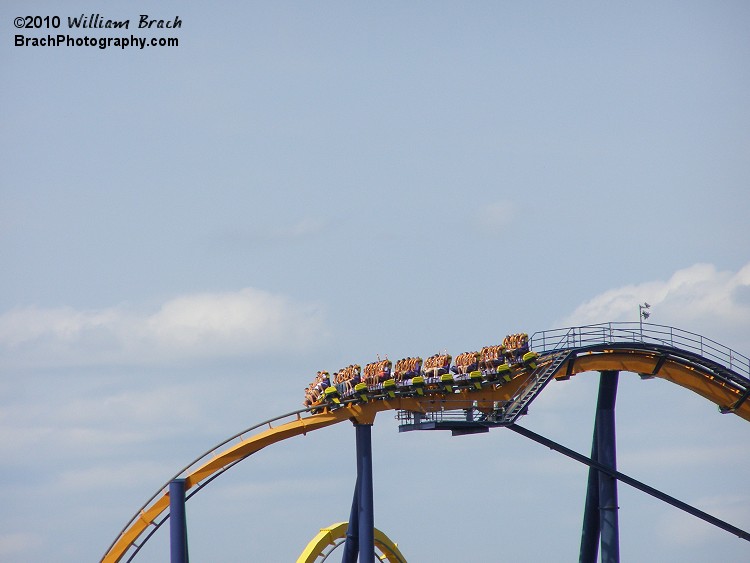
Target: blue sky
point(188, 234)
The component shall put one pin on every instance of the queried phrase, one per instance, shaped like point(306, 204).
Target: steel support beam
point(600, 519)
point(351, 547)
point(622, 477)
point(366, 506)
point(591, 526)
point(606, 445)
point(360, 534)
point(178, 544)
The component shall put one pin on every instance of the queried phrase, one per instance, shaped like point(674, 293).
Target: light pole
point(643, 313)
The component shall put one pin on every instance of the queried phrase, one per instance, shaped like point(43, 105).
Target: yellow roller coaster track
point(671, 355)
point(330, 537)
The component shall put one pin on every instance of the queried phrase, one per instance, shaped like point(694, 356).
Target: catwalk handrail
point(643, 333)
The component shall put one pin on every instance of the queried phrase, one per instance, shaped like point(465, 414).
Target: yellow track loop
point(328, 536)
point(638, 361)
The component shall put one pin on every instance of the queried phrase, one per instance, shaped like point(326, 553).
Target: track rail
point(711, 370)
point(695, 362)
point(328, 539)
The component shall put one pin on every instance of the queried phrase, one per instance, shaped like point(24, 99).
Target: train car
point(490, 357)
point(344, 382)
point(516, 345)
point(518, 350)
point(378, 378)
point(437, 373)
point(466, 368)
point(437, 365)
point(408, 376)
point(315, 390)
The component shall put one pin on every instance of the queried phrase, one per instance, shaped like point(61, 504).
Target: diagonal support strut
point(742, 534)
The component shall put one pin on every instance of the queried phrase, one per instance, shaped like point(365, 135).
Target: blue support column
point(366, 505)
point(360, 534)
point(351, 547)
point(590, 531)
point(606, 452)
point(600, 519)
point(178, 544)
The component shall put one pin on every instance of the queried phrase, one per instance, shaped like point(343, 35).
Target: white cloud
point(303, 228)
point(241, 323)
point(52, 433)
point(495, 218)
point(101, 477)
point(699, 298)
point(144, 406)
point(14, 544)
